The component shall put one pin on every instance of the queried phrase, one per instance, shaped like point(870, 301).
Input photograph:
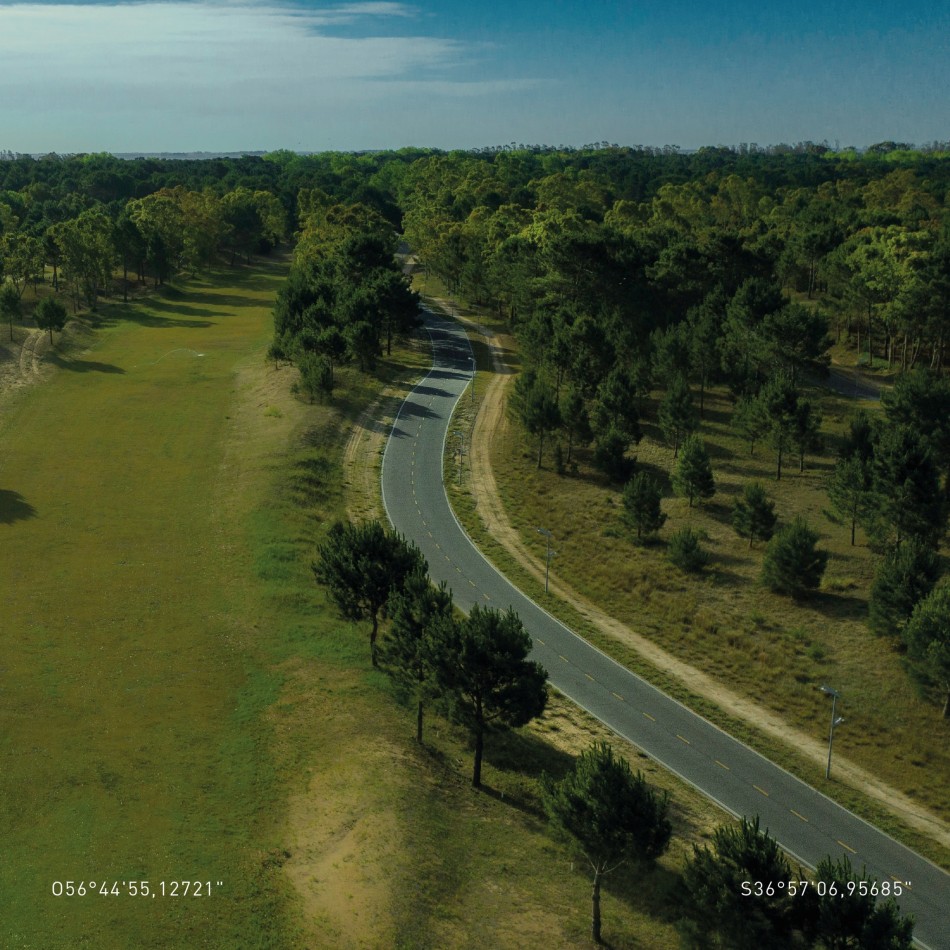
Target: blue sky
point(227, 75)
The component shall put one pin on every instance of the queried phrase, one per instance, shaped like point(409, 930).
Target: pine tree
point(677, 414)
point(641, 502)
point(611, 815)
point(686, 552)
point(792, 564)
point(927, 635)
point(754, 515)
point(905, 576)
point(849, 489)
point(693, 477)
point(361, 565)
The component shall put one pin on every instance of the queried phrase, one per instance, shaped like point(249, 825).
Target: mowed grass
point(133, 746)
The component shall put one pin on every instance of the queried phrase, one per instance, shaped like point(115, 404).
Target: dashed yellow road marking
point(846, 847)
point(797, 815)
point(762, 790)
point(648, 716)
point(681, 739)
point(564, 658)
point(591, 678)
point(539, 640)
point(472, 583)
point(722, 765)
point(617, 696)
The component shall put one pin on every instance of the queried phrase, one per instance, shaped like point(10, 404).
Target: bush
point(685, 551)
point(793, 565)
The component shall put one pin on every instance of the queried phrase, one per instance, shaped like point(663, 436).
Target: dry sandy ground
point(489, 425)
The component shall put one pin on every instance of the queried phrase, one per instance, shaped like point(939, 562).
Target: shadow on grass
point(14, 507)
point(85, 366)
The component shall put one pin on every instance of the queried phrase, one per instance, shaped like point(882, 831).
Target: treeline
point(741, 892)
point(345, 298)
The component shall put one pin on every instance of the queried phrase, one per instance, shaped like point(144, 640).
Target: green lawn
point(131, 746)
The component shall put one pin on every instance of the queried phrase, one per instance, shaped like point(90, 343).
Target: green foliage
point(418, 614)
point(693, 478)
point(716, 911)
point(50, 315)
point(753, 516)
point(641, 503)
point(610, 456)
point(677, 414)
point(610, 814)
point(793, 565)
point(575, 420)
point(537, 408)
point(927, 635)
point(483, 675)
point(361, 565)
point(907, 501)
point(849, 915)
point(850, 489)
point(780, 404)
point(10, 307)
point(905, 576)
point(920, 402)
point(686, 552)
point(750, 419)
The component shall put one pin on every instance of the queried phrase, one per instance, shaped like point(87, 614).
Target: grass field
point(179, 702)
point(132, 746)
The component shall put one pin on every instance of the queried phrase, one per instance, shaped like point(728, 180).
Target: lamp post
point(548, 555)
point(835, 721)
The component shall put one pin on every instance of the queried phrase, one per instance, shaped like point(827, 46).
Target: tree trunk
point(479, 747)
point(853, 523)
point(419, 723)
point(778, 471)
point(375, 630)
point(540, 447)
point(595, 908)
point(946, 706)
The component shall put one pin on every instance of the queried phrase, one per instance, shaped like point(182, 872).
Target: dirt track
point(490, 424)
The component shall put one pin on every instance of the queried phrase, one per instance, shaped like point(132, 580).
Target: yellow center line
point(564, 658)
point(617, 696)
point(843, 845)
point(795, 813)
point(762, 790)
point(539, 640)
point(681, 739)
point(722, 765)
point(648, 716)
point(472, 583)
point(591, 678)
point(486, 596)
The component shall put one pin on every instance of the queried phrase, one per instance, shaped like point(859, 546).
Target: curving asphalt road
point(806, 823)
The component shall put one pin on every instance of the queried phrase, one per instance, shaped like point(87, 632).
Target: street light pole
point(835, 721)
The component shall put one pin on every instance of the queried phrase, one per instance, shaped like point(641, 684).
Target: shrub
point(685, 551)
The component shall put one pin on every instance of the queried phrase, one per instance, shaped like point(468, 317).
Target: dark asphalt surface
point(805, 822)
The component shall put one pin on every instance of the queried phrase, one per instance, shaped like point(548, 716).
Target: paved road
point(805, 822)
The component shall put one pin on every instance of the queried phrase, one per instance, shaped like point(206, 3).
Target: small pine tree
point(686, 552)
point(610, 455)
point(792, 564)
point(10, 307)
point(850, 489)
point(754, 515)
point(905, 576)
point(693, 477)
point(677, 414)
point(641, 503)
point(927, 635)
